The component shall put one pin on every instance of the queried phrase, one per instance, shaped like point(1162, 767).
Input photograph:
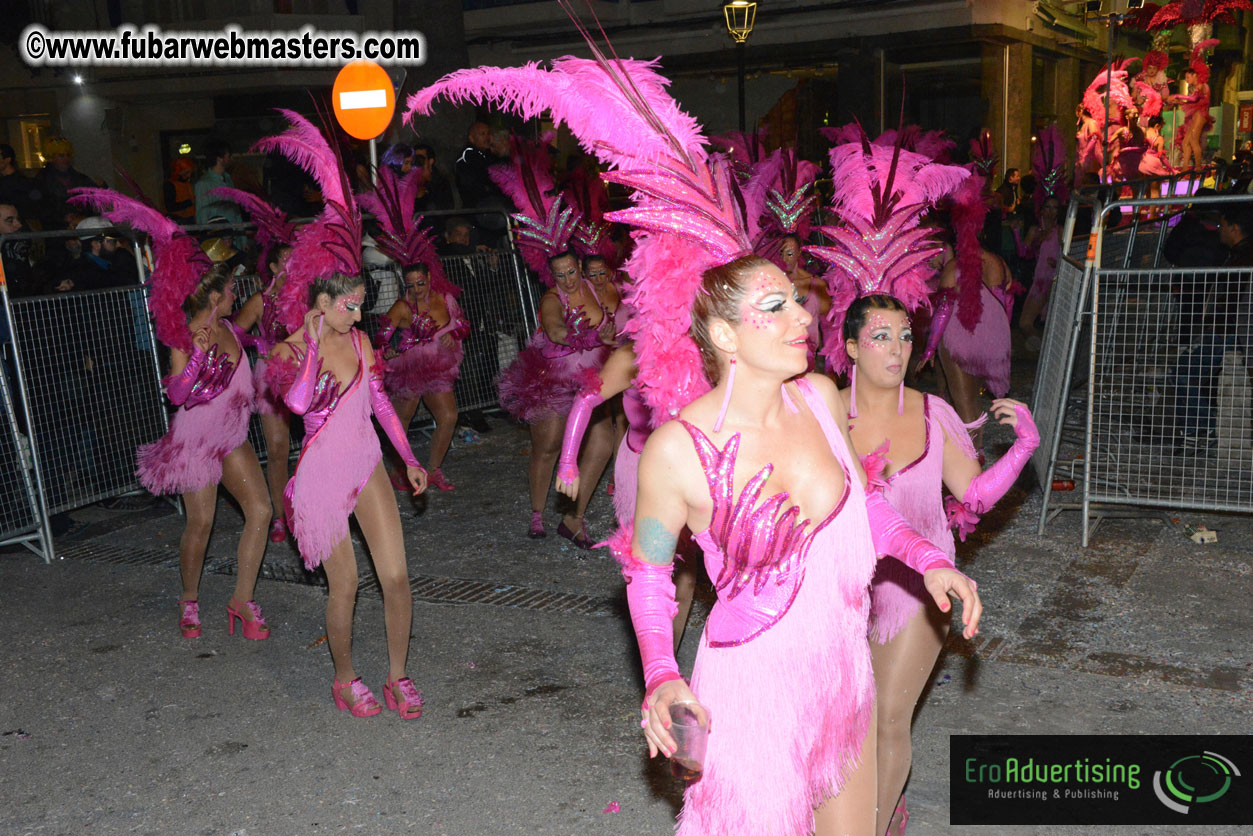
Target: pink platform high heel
point(901, 817)
point(189, 621)
point(253, 629)
point(364, 704)
point(409, 707)
point(278, 530)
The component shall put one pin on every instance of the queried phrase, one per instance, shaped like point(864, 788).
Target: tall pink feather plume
point(608, 121)
point(1048, 163)
point(851, 132)
point(589, 197)
point(273, 227)
point(332, 243)
point(402, 238)
point(936, 145)
point(179, 261)
point(918, 180)
point(1152, 105)
point(969, 209)
point(1198, 63)
point(545, 223)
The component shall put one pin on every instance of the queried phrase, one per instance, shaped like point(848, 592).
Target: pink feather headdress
point(589, 197)
point(1198, 64)
point(273, 227)
point(969, 209)
point(1119, 95)
point(982, 157)
point(179, 261)
point(402, 238)
point(789, 196)
point(1048, 163)
point(688, 211)
point(1152, 105)
point(880, 195)
point(332, 243)
point(546, 224)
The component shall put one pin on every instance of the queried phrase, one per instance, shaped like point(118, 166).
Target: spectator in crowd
point(473, 182)
point(434, 194)
point(16, 189)
point(1215, 315)
point(15, 255)
point(217, 174)
point(59, 176)
point(104, 262)
point(399, 158)
point(458, 235)
point(179, 193)
point(291, 188)
point(1010, 192)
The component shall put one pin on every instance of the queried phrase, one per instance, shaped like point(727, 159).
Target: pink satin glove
point(939, 321)
point(893, 536)
point(390, 422)
point(383, 336)
point(299, 396)
point(178, 386)
point(988, 487)
point(460, 330)
point(651, 598)
point(576, 426)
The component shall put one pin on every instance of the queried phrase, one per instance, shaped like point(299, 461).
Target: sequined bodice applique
point(755, 554)
point(327, 391)
point(271, 326)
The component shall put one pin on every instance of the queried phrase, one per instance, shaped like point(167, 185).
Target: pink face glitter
point(762, 289)
point(350, 303)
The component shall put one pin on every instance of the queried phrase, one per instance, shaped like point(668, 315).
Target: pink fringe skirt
point(424, 369)
point(984, 351)
point(189, 456)
point(626, 465)
point(536, 387)
point(267, 401)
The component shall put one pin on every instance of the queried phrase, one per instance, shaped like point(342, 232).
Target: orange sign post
point(364, 99)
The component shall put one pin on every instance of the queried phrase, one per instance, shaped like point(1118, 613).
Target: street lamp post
point(740, 16)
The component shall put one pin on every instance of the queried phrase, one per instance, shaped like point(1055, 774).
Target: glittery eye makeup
point(350, 304)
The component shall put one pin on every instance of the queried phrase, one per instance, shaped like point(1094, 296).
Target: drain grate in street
point(428, 588)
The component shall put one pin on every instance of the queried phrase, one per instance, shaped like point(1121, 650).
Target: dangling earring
point(900, 400)
point(852, 396)
point(726, 398)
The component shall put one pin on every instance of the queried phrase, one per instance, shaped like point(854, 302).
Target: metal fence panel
point(1051, 395)
point(1170, 396)
point(19, 504)
point(93, 390)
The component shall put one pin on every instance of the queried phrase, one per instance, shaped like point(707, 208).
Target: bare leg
point(618, 416)
point(200, 507)
point(852, 813)
point(341, 601)
point(545, 447)
point(597, 448)
point(443, 407)
point(902, 668)
point(1031, 312)
point(241, 475)
point(963, 390)
point(277, 431)
point(380, 523)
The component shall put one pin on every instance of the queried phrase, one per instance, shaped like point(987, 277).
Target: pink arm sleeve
point(988, 487)
point(651, 598)
point(576, 426)
point(178, 387)
point(458, 326)
point(383, 335)
point(893, 536)
point(939, 321)
point(389, 420)
point(300, 395)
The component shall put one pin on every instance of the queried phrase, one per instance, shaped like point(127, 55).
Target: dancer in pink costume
point(1197, 121)
point(920, 446)
point(326, 371)
point(274, 235)
point(977, 286)
point(1044, 239)
point(1155, 163)
point(211, 384)
point(572, 342)
point(784, 664)
point(427, 360)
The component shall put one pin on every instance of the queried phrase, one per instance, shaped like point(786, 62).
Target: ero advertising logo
point(1116, 779)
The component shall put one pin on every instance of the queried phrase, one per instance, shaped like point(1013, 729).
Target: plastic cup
point(689, 726)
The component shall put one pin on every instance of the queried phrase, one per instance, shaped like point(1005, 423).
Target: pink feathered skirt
point(790, 709)
point(189, 456)
point(424, 369)
point(536, 386)
point(626, 465)
point(984, 351)
point(334, 466)
point(267, 401)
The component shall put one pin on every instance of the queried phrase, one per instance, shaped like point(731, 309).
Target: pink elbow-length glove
point(202, 379)
point(988, 487)
point(651, 598)
point(383, 336)
point(390, 421)
point(299, 396)
point(576, 426)
point(178, 386)
point(893, 536)
point(939, 321)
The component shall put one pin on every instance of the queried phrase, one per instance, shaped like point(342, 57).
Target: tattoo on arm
point(655, 541)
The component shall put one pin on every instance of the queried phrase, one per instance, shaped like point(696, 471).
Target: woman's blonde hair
point(722, 289)
point(215, 279)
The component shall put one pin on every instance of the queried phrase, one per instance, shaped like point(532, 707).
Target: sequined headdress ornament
point(178, 265)
point(545, 222)
point(586, 192)
point(1048, 164)
point(687, 211)
point(401, 236)
point(880, 196)
point(744, 149)
point(788, 197)
point(273, 228)
point(982, 157)
point(332, 243)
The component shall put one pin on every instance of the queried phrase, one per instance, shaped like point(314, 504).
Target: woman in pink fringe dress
point(919, 447)
point(211, 384)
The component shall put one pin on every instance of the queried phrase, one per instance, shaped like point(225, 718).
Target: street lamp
point(740, 16)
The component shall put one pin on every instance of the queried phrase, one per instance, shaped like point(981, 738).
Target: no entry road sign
point(364, 99)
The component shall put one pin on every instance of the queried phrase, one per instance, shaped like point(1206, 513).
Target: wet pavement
point(112, 723)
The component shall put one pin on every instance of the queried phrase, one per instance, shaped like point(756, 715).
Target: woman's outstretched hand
point(941, 583)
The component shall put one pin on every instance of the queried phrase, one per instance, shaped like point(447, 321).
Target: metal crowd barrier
point(1142, 394)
